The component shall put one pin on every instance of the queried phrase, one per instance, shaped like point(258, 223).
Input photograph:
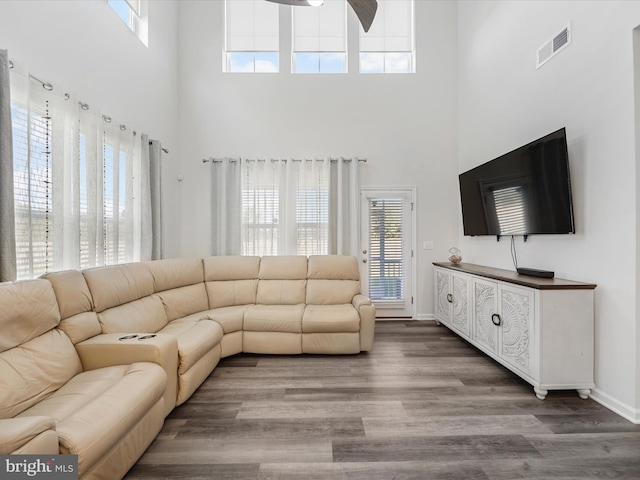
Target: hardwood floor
point(423, 404)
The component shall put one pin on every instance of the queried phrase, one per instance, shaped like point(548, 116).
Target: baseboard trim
point(625, 411)
point(425, 316)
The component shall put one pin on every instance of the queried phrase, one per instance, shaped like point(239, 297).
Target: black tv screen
point(524, 192)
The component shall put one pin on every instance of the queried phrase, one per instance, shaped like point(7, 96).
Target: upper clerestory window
point(252, 36)
point(133, 13)
point(320, 38)
point(388, 46)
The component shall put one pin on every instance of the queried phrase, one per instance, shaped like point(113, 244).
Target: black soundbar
point(532, 272)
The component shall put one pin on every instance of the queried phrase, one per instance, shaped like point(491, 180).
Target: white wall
point(588, 88)
point(83, 47)
point(405, 125)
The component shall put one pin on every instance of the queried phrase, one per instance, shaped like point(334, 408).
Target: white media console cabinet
point(542, 329)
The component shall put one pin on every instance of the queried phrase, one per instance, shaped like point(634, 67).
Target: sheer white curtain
point(285, 206)
point(344, 207)
point(261, 217)
point(306, 209)
point(226, 207)
point(74, 182)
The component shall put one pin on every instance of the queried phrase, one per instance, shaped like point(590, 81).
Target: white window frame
point(137, 19)
point(386, 54)
point(322, 43)
point(237, 46)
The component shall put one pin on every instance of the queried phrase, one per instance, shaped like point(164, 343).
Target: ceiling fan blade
point(365, 10)
point(295, 3)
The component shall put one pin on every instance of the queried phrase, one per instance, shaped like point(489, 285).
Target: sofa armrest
point(16, 435)
point(360, 300)
point(367, 312)
point(123, 349)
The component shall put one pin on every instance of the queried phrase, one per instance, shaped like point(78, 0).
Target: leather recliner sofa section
point(51, 403)
point(92, 361)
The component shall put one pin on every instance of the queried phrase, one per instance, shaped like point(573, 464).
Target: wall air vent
point(554, 46)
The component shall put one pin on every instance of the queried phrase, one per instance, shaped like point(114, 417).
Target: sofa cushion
point(231, 292)
point(34, 370)
point(330, 319)
point(81, 327)
point(333, 279)
point(27, 309)
point(283, 267)
point(231, 280)
point(231, 267)
point(282, 280)
point(96, 409)
point(182, 301)
point(175, 272)
point(146, 315)
point(118, 284)
point(230, 319)
point(28, 435)
point(72, 292)
point(331, 292)
point(274, 318)
point(333, 267)
point(195, 340)
point(281, 292)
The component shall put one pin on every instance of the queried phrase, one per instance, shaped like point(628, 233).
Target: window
point(131, 13)
point(73, 183)
point(285, 207)
point(252, 38)
point(33, 187)
point(388, 47)
point(320, 38)
point(386, 249)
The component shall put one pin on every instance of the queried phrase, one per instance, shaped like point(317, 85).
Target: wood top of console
point(516, 278)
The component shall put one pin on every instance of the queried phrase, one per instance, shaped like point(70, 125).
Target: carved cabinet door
point(516, 331)
point(461, 314)
point(485, 306)
point(443, 296)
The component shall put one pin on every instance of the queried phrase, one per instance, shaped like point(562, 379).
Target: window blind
point(252, 26)
point(320, 29)
point(285, 207)
point(386, 276)
point(392, 29)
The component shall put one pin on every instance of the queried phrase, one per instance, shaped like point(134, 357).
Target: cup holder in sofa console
point(145, 337)
point(128, 337)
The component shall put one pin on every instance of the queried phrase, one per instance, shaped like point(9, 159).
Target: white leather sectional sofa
point(92, 361)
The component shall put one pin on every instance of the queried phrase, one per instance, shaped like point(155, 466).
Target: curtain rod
point(84, 106)
point(219, 160)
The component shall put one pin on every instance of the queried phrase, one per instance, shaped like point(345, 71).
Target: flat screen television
point(523, 192)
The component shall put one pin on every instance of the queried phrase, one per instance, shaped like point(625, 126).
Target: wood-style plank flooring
point(423, 404)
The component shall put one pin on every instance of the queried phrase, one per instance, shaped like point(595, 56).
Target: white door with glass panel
point(387, 261)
